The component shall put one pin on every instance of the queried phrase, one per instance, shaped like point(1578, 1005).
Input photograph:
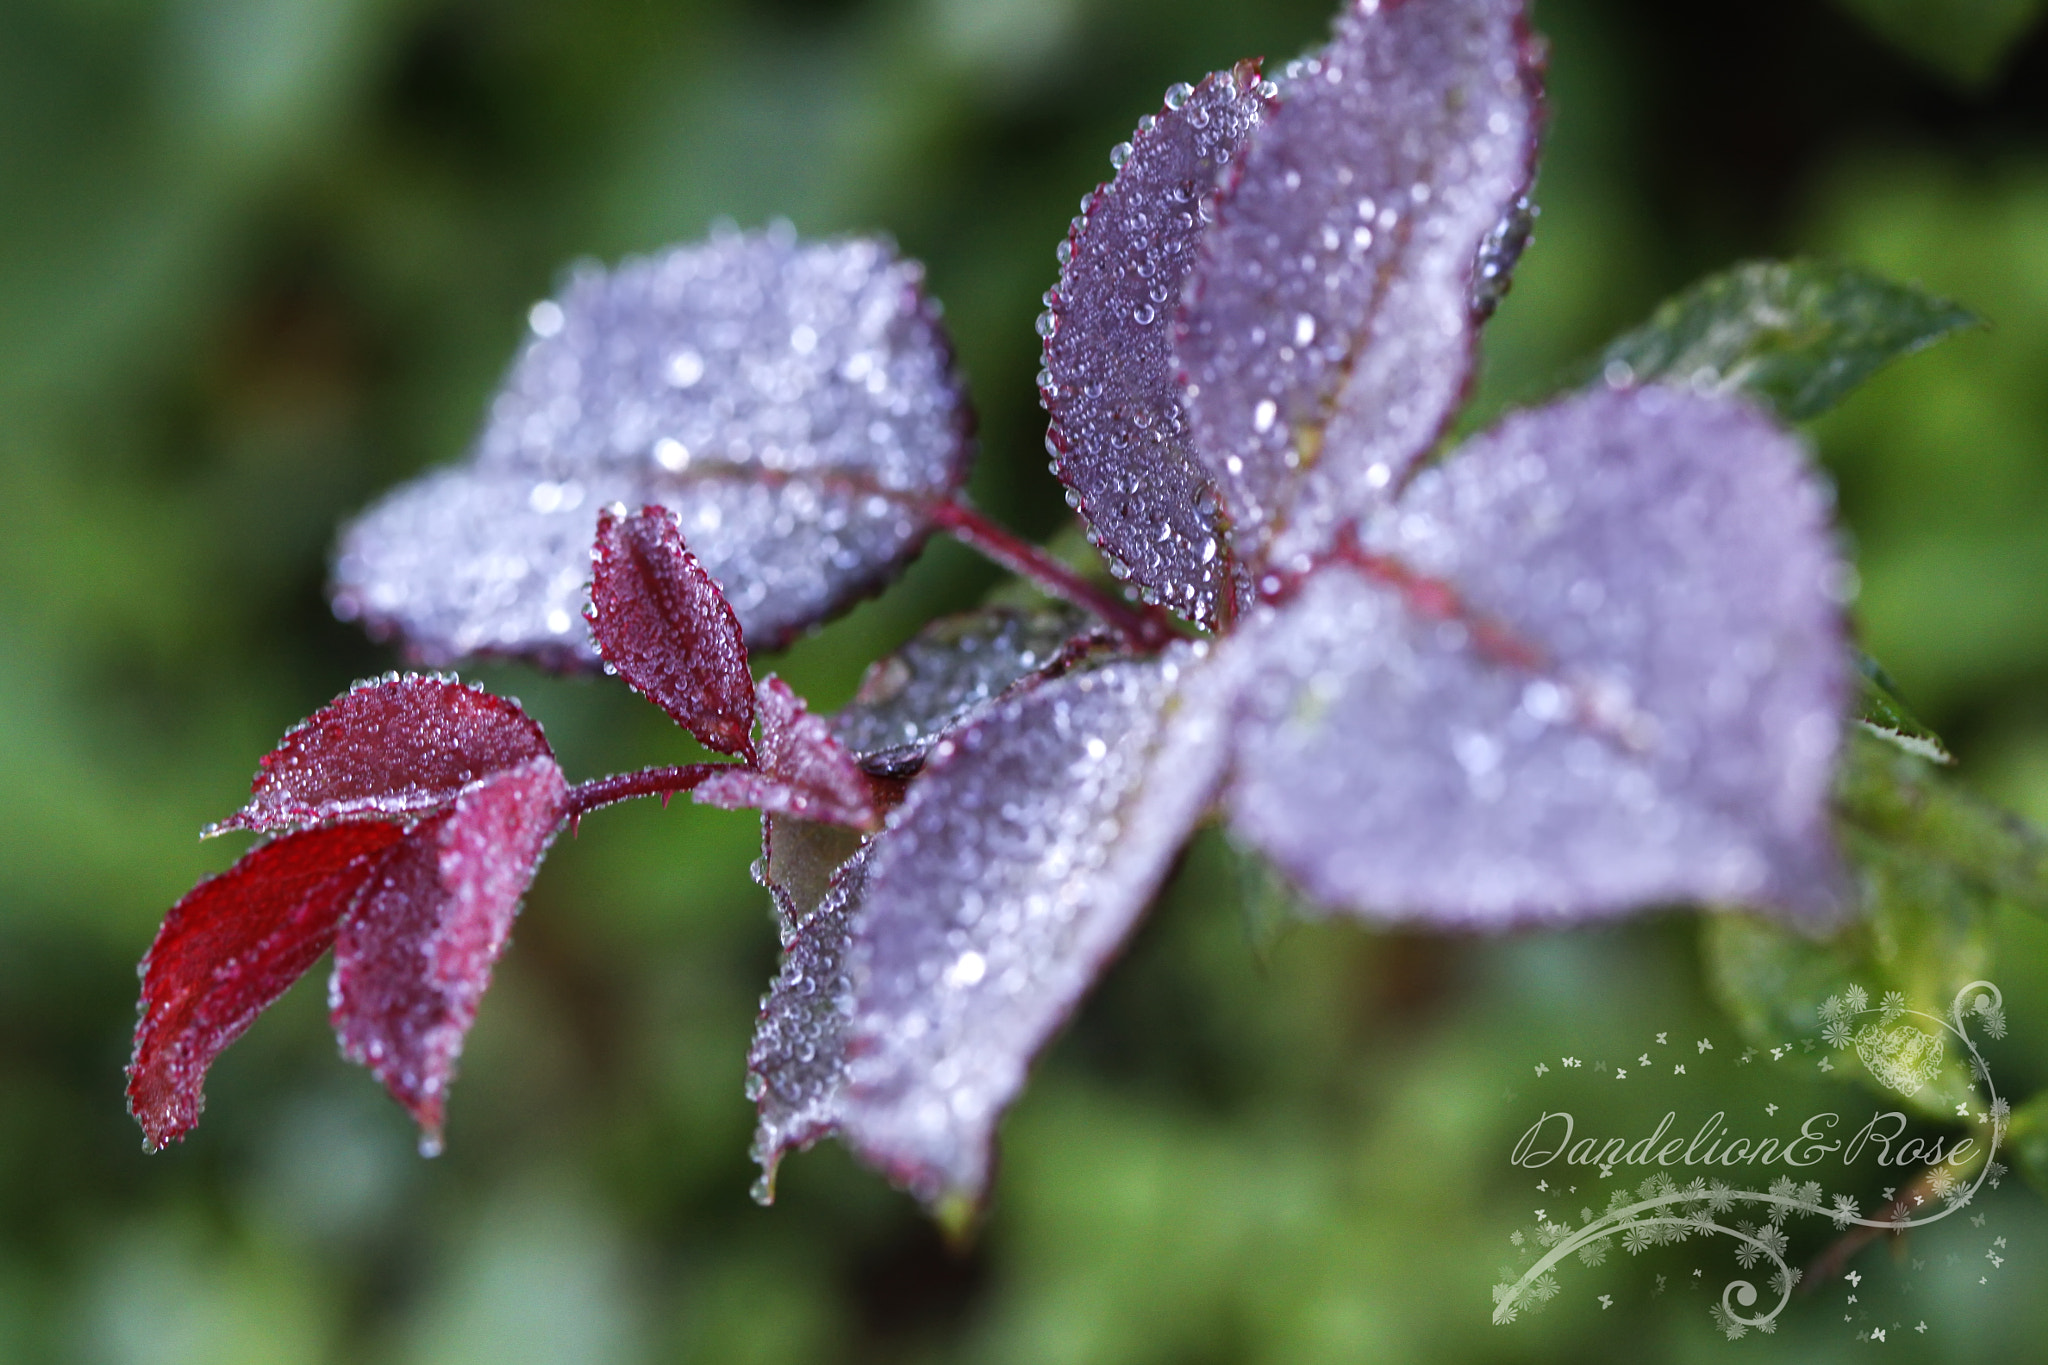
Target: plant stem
point(1147, 627)
point(586, 797)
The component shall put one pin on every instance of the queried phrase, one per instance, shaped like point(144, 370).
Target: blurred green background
point(260, 259)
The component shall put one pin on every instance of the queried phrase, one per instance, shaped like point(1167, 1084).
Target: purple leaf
point(1329, 334)
point(414, 958)
point(1594, 661)
point(1019, 862)
point(393, 747)
point(949, 671)
point(1119, 436)
point(796, 1067)
point(661, 621)
point(794, 405)
point(228, 950)
point(802, 770)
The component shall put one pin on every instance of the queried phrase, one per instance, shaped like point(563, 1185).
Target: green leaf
point(1796, 335)
point(1908, 806)
point(1880, 711)
point(1965, 40)
point(1932, 863)
point(1921, 930)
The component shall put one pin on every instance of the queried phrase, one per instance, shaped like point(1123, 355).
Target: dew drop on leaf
point(1593, 661)
point(793, 404)
point(1118, 434)
point(229, 949)
point(1015, 868)
point(413, 959)
point(1362, 203)
point(661, 621)
point(392, 747)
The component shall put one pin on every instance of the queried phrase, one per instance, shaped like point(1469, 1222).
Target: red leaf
point(231, 947)
point(393, 747)
point(802, 769)
point(663, 623)
point(413, 960)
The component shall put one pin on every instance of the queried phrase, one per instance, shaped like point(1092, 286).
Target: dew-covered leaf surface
point(1617, 676)
point(946, 673)
point(791, 402)
point(1018, 864)
point(229, 949)
point(661, 621)
point(1119, 435)
point(414, 958)
point(797, 1065)
point(1329, 336)
point(394, 747)
point(802, 770)
point(1798, 335)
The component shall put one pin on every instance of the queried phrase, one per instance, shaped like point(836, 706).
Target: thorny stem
point(1147, 627)
point(586, 797)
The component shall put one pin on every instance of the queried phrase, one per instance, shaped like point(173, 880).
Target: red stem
point(586, 797)
point(1147, 627)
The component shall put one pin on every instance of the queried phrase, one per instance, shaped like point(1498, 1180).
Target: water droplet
point(1177, 95)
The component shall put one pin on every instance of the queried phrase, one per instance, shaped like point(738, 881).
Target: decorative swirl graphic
point(1901, 1056)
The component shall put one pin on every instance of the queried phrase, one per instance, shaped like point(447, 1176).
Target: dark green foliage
point(1797, 335)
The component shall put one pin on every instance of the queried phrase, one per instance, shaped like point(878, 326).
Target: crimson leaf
point(661, 622)
point(1017, 865)
point(393, 747)
point(947, 672)
point(1329, 335)
point(794, 405)
point(802, 769)
point(1594, 661)
point(229, 949)
point(1119, 435)
point(413, 959)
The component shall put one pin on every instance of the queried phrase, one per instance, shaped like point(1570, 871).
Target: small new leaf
point(794, 404)
point(802, 770)
point(229, 949)
point(662, 623)
point(392, 748)
point(414, 957)
point(1797, 335)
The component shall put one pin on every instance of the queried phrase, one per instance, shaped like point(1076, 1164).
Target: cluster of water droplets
point(1331, 333)
point(1023, 856)
point(414, 957)
point(796, 1066)
point(1666, 559)
point(948, 672)
point(1119, 437)
point(789, 401)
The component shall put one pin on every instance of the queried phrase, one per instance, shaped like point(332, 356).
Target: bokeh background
point(260, 259)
